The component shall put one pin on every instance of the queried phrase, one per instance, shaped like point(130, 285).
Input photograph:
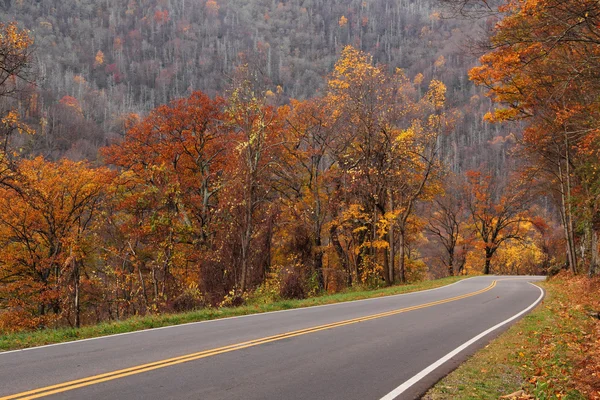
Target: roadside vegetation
point(367, 182)
point(552, 353)
point(119, 214)
point(263, 300)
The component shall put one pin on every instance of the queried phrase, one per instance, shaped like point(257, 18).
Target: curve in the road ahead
point(96, 379)
point(422, 374)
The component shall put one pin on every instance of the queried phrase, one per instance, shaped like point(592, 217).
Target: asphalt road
point(391, 347)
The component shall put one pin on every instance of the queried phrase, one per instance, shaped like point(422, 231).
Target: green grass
point(535, 355)
point(48, 336)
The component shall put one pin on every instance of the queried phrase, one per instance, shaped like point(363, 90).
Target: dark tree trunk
point(76, 300)
point(392, 243)
point(318, 262)
point(401, 256)
point(339, 250)
point(488, 261)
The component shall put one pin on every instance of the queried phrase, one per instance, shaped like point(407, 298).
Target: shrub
point(292, 284)
point(416, 270)
point(190, 299)
point(232, 299)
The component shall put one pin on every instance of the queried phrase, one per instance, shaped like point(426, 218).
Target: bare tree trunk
point(166, 265)
point(143, 284)
point(155, 282)
point(461, 260)
point(356, 266)
point(339, 250)
point(386, 266)
point(595, 227)
point(140, 276)
point(594, 250)
point(317, 219)
point(245, 256)
point(566, 217)
point(392, 244)
point(401, 256)
point(563, 217)
point(569, 209)
point(76, 300)
point(247, 234)
point(392, 256)
point(372, 251)
point(318, 262)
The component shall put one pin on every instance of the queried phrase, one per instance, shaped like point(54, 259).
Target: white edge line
point(236, 317)
point(406, 385)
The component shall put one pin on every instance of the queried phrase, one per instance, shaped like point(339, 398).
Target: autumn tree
point(390, 151)
point(447, 224)
point(304, 180)
point(255, 141)
point(419, 175)
point(498, 211)
point(15, 69)
point(173, 164)
point(539, 68)
point(46, 240)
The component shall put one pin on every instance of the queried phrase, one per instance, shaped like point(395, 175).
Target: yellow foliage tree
point(390, 157)
point(99, 59)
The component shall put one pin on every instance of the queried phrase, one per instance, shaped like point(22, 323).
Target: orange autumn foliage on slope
point(541, 68)
point(567, 356)
point(45, 234)
point(210, 200)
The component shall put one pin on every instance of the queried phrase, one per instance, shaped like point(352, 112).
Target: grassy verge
point(48, 336)
point(552, 353)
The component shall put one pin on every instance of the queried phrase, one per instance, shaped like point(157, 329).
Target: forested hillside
point(159, 156)
point(97, 62)
point(163, 156)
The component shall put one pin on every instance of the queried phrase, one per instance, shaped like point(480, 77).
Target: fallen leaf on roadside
point(518, 395)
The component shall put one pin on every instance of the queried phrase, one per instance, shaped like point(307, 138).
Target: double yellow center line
point(122, 373)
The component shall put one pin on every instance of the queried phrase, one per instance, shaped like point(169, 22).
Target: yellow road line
point(108, 376)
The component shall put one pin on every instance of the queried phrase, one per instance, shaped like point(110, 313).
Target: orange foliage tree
point(305, 180)
point(541, 67)
point(498, 212)
point(45, 226)
point(173, 163)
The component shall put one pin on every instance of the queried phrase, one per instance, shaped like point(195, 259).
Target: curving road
point(384, 348)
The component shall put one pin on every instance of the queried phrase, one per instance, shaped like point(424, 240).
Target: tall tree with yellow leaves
point(255, 141)
point(390, 150)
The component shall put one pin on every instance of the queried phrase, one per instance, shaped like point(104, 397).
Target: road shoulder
point(550, 353)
